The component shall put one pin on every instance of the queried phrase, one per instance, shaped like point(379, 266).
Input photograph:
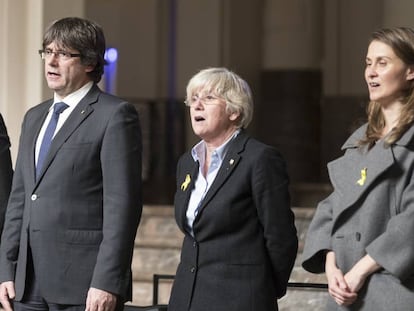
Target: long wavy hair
point(401, 41)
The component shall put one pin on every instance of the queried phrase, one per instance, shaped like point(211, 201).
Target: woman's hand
point(338, 287)
point(355, 278)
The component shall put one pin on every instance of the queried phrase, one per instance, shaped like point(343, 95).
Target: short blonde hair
point(227, 85)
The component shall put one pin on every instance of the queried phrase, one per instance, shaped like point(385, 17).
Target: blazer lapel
point(230, 162)
point(186, 183)
point(82, 110)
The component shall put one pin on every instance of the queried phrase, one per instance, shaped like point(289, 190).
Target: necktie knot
point(59, 107)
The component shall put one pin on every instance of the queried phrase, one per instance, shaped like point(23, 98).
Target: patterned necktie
point(47, 138)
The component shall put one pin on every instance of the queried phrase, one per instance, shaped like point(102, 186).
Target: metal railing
point(294, 285)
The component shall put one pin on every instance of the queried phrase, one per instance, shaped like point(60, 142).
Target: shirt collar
point(74, 98)
point(198, 151)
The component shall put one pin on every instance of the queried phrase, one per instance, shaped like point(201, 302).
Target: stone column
point(22, 83)
point(20, 76)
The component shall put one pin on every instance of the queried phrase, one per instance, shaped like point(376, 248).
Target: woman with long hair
point(361, 235)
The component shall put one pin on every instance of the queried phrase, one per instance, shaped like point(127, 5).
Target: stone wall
point(157, 251)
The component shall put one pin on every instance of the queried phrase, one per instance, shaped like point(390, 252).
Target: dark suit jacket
point(6, 171)
point(245, 239)
point(82, 214)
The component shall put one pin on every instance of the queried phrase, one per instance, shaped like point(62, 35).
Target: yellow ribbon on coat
point(186, 182)
point(361, 181)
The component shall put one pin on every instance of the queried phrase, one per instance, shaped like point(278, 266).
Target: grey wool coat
point(371, 211)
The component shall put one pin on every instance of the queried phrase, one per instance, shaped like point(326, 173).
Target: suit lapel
point(38, 121)
point(82, 110)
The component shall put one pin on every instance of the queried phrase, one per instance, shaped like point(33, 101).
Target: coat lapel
point(354, 174)
point(78, 115)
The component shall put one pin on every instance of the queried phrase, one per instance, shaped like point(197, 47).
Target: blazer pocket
point(83, 237)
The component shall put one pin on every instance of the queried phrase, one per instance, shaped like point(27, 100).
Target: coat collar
point(82, 110)
point(352, 142)
point(354, 174)
point(407, 139)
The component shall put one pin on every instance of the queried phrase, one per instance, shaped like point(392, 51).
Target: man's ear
point(89, 68)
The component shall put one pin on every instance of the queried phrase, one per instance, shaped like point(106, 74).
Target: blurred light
point(111, 55)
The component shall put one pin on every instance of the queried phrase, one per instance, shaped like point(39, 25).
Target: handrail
point(158, 277)
point(156, 281)
point(307, 285)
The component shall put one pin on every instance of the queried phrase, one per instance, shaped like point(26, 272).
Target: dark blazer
point(371, 214)
point(6, 171)
point(83, 212)
point(245, 239)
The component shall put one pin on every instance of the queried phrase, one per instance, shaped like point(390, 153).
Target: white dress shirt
point(72, 100)
point(203, 184)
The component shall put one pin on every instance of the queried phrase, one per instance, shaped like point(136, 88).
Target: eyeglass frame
point(205, 100)
point(59, 54)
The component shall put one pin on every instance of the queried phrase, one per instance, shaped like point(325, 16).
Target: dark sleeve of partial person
point(6, 171)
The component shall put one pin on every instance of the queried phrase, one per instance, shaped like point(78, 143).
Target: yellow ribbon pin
point(187, 180)
point(361, 181)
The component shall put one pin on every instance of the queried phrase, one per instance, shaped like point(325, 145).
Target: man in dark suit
point(76, 201)
point(6, 171)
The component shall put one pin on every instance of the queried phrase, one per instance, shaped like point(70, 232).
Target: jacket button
point(33, 197)
point(194, 244)
point(193, 269)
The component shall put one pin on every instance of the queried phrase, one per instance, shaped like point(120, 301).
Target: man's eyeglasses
point(205, 99)
point(62, 55)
